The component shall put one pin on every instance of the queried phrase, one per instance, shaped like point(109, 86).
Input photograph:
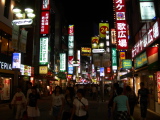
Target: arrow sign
point(98, 50)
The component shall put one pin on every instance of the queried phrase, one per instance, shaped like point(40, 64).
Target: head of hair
point(71, 91)
point(81, 91)
point(128, 88)
point(142, 83)
point(119, 90)
point(116, 85)
point(60, 89)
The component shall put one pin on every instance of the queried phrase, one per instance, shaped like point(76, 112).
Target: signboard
point(62, 61)
point(85, 51)
point(6, 66)
point(158, 86)
point(147, 10)
point(43, 69)
point(94, 42)
point(151, 36)
point(46, 5)
point(101, 71)
point(25, 70)
point(140, 60)
point(16, 60)
point(98, 50)
point(15, 35)
point(43, 56)
point(121, 24)
point(113, 36)
point(126, 64)
point(103, 28)
point(22, 22)
point(23, 41)
point(114, 59)
point(45, 22)
point(70, 41)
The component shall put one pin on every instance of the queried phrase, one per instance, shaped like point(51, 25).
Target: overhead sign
point(22, 22)
point(98, 50)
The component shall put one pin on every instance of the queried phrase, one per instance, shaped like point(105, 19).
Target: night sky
point(85, 15)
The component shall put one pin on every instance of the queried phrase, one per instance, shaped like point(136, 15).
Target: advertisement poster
point(4, 88)
point(158, 85)
point(102, 71)
point(16, 63)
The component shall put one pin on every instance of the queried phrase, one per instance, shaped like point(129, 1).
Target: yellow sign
point(103, 27)
point(43, 69)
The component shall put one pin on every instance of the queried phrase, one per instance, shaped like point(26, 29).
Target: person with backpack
point(143, 95)
point(132, 99)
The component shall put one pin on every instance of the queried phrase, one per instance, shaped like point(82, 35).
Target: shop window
point(7, 8)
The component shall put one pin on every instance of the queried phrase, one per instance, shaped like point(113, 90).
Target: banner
point(15, 35)
point(23, 41)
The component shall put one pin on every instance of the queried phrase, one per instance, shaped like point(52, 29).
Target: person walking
point(121, 106)
point(132, 99)
point(143, 95)
point(57, 103)
point(32, 108)
point(19, 102)
point(68, 103)
point(80, 106)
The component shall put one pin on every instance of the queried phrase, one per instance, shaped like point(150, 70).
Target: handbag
point(87, 114)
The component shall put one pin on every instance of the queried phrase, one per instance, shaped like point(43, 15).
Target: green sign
point(140, 60)
point(62, 61)
point(126, 64)
point(43, 55)
point(114, 59)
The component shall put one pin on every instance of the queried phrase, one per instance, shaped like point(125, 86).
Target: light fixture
point(19, 15)
point(16, 10)
point(28, 10)
point(30, 15)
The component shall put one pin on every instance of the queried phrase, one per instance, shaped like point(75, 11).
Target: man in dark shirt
point(143, 94)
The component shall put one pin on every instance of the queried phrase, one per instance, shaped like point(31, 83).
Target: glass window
point(6, 8)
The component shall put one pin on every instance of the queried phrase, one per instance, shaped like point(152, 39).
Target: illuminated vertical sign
point(45, 22)
point(46, 5)
point(121, 24)
point(43, 57)
point(114, 59)
point(71, 48)
point(62, 61)
point(113, 36)
point(103, 27)
point(79, 59)
point(16, 60)
point(102, 71)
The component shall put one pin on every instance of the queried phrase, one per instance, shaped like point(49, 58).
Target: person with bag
point(80, 107)
point(132, 99)
point(121, 106)
point(19, 102)
point(68, 103)
point(57, 103)
point(32, 108)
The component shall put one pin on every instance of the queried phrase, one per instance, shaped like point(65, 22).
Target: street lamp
point(28, 11)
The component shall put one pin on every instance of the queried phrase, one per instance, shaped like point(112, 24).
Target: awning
point(126, 75)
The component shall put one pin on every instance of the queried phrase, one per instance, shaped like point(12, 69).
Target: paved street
point(97, 111)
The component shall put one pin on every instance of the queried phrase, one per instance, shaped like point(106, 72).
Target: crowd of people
point(71, 103)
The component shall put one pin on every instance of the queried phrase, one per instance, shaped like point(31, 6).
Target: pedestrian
point(32, 108)
point(68, 103)
point(57, 103)
point(80, 106)
point(19, 102)
point(121, 105)
point(132, 99)
point(113, 94)
point(29, 90)
point(143, 95)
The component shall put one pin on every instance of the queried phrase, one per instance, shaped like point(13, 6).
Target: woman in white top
point(80, 106)
point(57, 102)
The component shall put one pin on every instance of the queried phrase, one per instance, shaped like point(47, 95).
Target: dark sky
point(85, 15)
